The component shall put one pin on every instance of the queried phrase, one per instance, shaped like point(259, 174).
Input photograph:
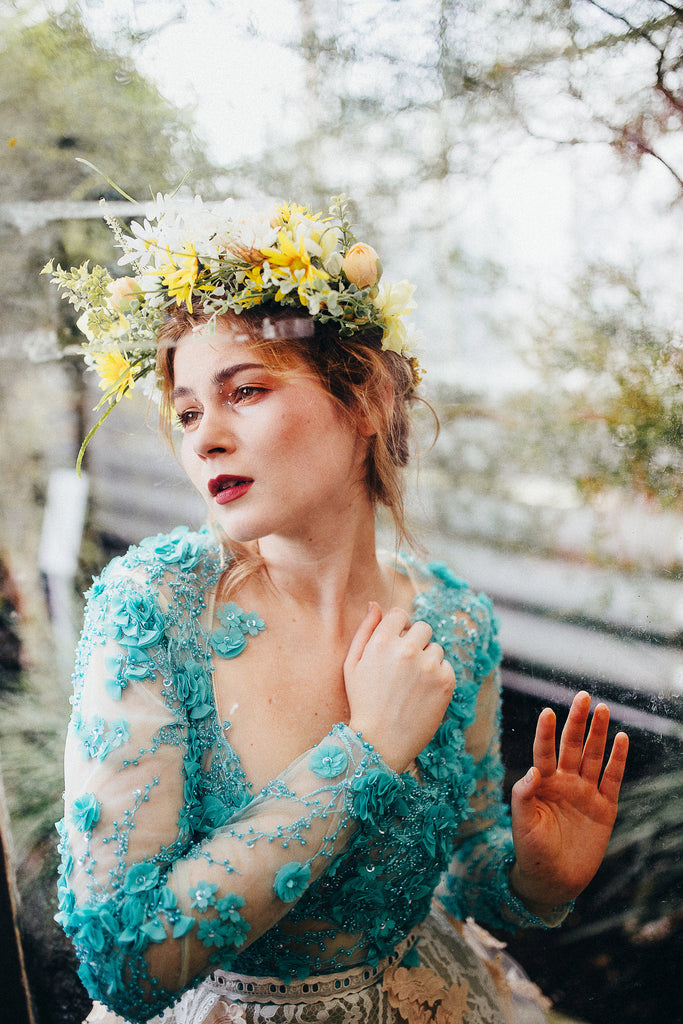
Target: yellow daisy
point(251, 293)
point(114, 369)
point(288, 210)
point(292, 263)
point(179, 274)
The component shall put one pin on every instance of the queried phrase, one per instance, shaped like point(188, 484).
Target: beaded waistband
point(245, 989)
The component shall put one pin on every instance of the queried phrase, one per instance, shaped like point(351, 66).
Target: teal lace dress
point(336, 892)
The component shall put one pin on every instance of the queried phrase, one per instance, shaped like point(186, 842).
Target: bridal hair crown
point(226, 259)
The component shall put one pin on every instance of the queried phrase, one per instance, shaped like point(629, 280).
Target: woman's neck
point(328, 577)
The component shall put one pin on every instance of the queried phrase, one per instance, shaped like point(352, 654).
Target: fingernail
point(529, 777)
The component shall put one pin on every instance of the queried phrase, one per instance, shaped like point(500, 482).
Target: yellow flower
point(179, 274)
point(286, 211)
point(321, 236)
point(291, 264)
point(114, 369)
point(251, 293)
point(394, 302)
point(323, 243)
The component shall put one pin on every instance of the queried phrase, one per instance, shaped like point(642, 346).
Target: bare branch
point(639, 30)
point(643, 148)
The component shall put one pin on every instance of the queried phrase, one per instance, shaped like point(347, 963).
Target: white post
point(60, 543)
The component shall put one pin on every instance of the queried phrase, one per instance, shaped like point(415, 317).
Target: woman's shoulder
point(463, 620)
point(181, 557)
point(434, 582)
point(462, 617)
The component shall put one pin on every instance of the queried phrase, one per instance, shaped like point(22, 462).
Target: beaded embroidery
point(164, 844)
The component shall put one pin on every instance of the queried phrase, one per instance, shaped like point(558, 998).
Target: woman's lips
point(228, 488)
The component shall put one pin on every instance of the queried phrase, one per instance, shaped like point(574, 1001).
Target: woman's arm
point(478, 880)
point(562, 817)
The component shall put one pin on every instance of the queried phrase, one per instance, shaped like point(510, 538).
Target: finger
point(522, 800)
point(435, 652)
point(571, 742)
point(440, 669)
point(614, 770)
point(419, 635)
point(544, 743)
point(448, 676)
point(396, 622)
point(594, 748)
point(527, 786)
point(370, 622)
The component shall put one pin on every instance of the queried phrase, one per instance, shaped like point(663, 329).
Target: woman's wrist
point(382, 746)
point(537, 898)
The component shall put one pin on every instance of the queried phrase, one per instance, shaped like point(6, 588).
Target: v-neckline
point(223, 726)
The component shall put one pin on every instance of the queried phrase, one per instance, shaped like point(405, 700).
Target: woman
point(276, 795)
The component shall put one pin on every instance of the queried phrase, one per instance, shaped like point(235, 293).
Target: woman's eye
point(244, 393)
point(188, 418)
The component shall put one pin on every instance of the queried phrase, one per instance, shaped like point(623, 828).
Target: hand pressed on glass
point(564, 808)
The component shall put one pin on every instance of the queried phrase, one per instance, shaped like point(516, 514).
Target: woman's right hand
point(397, 683)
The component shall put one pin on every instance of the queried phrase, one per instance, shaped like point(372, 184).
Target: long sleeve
point(158, 885)
point(477, 881)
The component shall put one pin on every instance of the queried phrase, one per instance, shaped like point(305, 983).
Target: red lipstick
point(227, 488)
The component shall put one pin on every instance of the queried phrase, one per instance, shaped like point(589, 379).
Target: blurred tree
point(445, 89)
point(611, 391)
point(65, 96)
point(566, 72)
point(419, 102)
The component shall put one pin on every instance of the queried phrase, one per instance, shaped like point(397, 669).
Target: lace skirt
point(464, 977)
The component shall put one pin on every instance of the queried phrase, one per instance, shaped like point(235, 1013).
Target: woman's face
point(270, 453)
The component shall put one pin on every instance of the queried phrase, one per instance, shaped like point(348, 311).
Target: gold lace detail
point(421, 997)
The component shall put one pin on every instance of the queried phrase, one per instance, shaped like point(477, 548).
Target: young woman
point(283, 784)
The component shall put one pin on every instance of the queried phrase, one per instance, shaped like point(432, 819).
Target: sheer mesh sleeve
point(477, 883)
point(151, 909)
point(464, 760)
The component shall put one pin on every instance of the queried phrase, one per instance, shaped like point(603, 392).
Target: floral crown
point(227, 261)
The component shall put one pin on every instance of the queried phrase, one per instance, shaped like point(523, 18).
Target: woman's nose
point(214, 434)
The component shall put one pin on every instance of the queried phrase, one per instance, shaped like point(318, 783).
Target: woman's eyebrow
point(218, 379)
point(222, 376)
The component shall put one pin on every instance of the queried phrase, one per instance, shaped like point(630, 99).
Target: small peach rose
point(361, 266)
point(122, 291)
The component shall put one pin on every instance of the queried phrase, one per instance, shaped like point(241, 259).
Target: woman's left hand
point(563, 812)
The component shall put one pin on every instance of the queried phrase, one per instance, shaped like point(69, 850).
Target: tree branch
point(638, 30)
point(644, 149)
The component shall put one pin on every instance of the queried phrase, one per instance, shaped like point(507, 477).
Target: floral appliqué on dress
point(168, 856)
